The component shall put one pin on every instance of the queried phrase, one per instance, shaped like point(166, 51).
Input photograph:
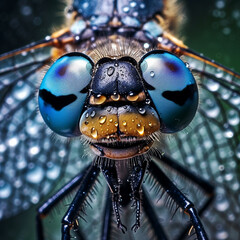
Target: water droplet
point(33, 151)
point(5, 190)
point(142, 110)
point(116, 124)
point(110, 120)
point(228, 132)
point(110, 71)
point(93, 113)
point(94, 133)
point(13, 142)
point(53, 172)
point(133, 120)
point(109, 109)
point(135, 14)
point(211, 108)
point(35, 175)
point(140, 129)
point(222, 204)
point(124, 123)
point(142, 6)
point(116, 64)
point(133, 4)
point(187, 65)
point(22, 91)
point(102, 119)
point(221, 168)
point(87, 115)
point(146, 45)
point(212, 85)
point(238, 151)
point(152, 74)
point(2, 148)
point(126, 9)
point(147, 101)
point(222, 235)
point(150, 124)
point(233, 117)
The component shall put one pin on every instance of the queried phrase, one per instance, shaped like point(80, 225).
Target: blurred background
point(212, 28)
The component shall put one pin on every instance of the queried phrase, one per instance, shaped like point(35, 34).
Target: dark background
point(212, 28)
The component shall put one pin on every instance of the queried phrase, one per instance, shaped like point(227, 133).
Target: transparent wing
point(210, 146)
point(31, 159)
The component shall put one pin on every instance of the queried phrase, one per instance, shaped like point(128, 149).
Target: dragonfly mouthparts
point(121, 149)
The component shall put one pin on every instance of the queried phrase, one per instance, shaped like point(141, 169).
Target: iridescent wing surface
point(31, 159)
point(210, 146)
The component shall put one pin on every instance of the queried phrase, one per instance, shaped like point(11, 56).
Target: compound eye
point(172, 88)
point(62, 93)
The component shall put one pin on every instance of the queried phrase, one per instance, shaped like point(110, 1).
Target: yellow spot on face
point(115, 97)
point(97, 100)
point(94, 133)
point(132, 98)
point(100, 99)
point(102, 119)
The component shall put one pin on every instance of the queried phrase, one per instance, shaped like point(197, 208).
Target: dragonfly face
point(119, 119)
point(121, 98)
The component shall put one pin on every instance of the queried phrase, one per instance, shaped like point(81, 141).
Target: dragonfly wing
point(210, 145)
point(31, 159)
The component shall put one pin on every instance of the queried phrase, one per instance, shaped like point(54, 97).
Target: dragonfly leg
point(153, 218)
point(179, 198)
point(197, 180)
point(70, 220)
point(47, 206)
point(136, 179)
point(106, 228)
point(110, 173)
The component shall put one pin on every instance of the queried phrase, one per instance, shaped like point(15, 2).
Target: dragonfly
point(201, 160)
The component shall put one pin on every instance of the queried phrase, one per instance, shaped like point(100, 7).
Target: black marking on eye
point(57, 102)
point(180, 97)
point(149, 86)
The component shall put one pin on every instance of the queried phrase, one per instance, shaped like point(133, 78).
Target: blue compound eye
point(62, 93)
point(172, 88)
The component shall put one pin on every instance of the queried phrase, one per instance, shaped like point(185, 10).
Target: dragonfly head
point(118, 104)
